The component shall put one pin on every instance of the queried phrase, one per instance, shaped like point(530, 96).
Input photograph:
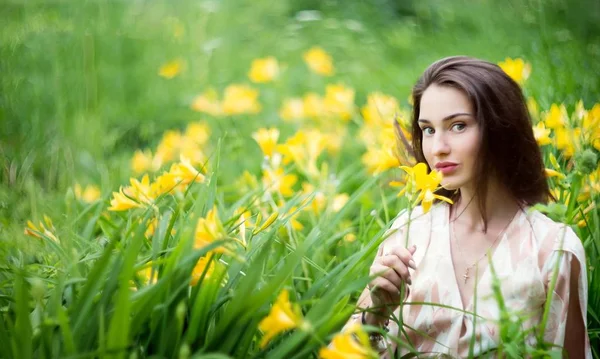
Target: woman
point(470, 122)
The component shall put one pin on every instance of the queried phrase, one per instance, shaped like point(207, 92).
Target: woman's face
point(451, 138)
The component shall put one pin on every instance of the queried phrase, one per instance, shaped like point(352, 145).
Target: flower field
point(182, 180)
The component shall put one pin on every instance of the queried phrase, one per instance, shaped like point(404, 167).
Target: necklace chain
point(466, 275)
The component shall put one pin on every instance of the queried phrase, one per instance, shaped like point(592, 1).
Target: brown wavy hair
point(509, 150)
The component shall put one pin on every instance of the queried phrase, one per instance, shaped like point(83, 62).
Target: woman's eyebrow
point(449, 117)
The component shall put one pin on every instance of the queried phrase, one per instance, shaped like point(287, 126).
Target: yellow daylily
point(318, 201)
point(339, 101)
point(292, 109)
point(566, 140)
point(169, 146)
point(264, 70)
point(143, 161)
point(346, 346)
point(171, 69)
point(422, 185)
point(165, 183)
point(591, 126)
point(90, 194)
point(552, 173)
point(380, 109)
point(185, 173)
point(45, 228)
point(208, 102)
point(198, 132)
point(517, 69)
point(533, 108)
point(276, 180)
point(556, 117)
point(201, 266)
point(208, 230)
point(267, 140)
point(283, 317)
point(378, 160)
point(319, 61)
point(541, 134)
point(266, 224)
point(339, 201)
point(121, 202)
point(148, 275)
point(240, 99)
point(313, 105)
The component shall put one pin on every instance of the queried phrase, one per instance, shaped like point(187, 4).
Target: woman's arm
point(575, 332)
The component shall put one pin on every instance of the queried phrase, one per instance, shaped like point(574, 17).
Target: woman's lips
point(447, 168)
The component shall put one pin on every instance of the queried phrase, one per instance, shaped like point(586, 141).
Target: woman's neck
point(500, 207)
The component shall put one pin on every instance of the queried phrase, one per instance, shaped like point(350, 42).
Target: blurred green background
point(80, 91)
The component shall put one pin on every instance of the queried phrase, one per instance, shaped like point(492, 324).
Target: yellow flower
point(532, 106)
point(267, 140)
point(148, 275)
point(552, 173)
point(141, 191)
point(339, 101)
point(171, 69)
point(333, 141)
point(121, 202)
point(422, 185)
point(138, 194)
point(556, 117)
point(208, 230)
point(240, 99)
point(143, 161)
point(41, 231)
point(313, 105)
point(201, 266)
point(541, 134)
point(169, 146)
point(566, 140)
point(304, 149)
point(591, 126)
point(242, 222)
point(339, 201)
point(378, 160)
point(292, 109)
point(268, 222)
point(276, 180)
point(264, 70)
point(208, 102)
point(345, 346)
point(185, 173)
point(319, 61)
point(165, 183)
point(380, 109)
point(198, 132)
point(318, 201)
point(90, 194)
point(282, 317)
point(517, 69)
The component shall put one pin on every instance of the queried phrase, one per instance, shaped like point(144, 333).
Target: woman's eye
point(428, 130)
point(459, 127)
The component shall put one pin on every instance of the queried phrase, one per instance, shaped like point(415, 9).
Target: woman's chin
point(450, 186)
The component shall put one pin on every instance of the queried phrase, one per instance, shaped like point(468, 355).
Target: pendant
point(466, 275)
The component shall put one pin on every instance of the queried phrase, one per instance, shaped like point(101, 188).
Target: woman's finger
point(400, 268)
point(388, 273)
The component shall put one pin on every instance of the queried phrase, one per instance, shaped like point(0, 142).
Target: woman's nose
point(440, 145)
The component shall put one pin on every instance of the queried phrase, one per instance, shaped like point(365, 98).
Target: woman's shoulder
point(553, 235)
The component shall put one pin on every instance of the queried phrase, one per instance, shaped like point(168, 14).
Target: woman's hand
point(390, 269)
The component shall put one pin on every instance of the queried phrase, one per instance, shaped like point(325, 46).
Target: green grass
point(79, 93)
